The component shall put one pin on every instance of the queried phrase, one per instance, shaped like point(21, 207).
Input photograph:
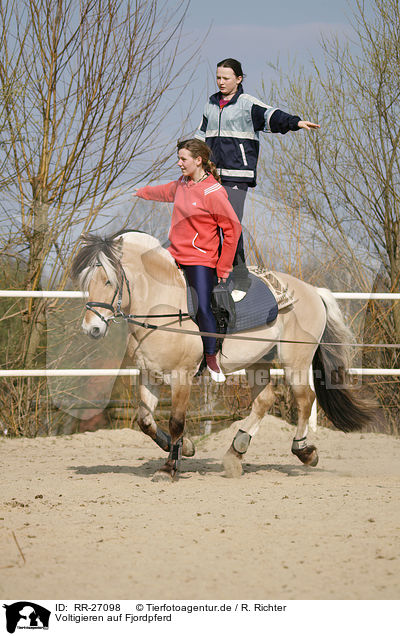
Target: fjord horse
point(131, 275)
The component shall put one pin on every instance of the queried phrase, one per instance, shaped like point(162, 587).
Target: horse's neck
point(156, 279)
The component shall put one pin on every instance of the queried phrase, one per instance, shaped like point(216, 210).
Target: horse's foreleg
point(263, 398)
point(149, 396)
point(180, 394)
point(307, 453)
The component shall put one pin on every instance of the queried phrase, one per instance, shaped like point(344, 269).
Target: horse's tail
point(347, 409)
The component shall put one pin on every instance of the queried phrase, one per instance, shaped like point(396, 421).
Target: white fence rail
point(49, 373)
point(13, 293)
point(134, 372)
point(4, 293)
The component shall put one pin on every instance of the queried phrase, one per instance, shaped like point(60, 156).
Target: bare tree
point(88, 87)
point(346, 176)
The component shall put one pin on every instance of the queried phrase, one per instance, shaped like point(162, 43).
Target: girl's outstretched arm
point(165, 192)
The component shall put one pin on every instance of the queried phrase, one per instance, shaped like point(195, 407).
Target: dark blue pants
point(237, 195)
point(201, 281)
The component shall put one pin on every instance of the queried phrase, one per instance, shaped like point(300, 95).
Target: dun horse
point(130, 274)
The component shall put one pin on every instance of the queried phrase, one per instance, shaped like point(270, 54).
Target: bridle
point(133, 318)
point(116, 312)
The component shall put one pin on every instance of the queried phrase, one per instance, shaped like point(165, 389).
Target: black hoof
point(307, 455)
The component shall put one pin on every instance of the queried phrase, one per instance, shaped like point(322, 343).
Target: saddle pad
point(257, 308)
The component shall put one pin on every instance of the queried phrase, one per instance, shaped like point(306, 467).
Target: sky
point(258, 32)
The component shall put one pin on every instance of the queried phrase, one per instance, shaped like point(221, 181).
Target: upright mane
point(97, 251)
point(108, 253)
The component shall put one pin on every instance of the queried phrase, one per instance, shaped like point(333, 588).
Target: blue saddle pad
point(257, 308)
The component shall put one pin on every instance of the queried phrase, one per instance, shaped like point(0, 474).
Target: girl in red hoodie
point(201, 209)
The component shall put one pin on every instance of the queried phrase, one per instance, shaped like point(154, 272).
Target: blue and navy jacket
point(232, 133)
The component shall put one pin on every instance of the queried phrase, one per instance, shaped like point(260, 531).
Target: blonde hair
point(198, 148)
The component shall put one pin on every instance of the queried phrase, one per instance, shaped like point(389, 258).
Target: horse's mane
point(106, 252)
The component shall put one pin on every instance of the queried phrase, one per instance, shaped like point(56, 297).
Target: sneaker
point(241, 283)
point(213, 367)
point(238, 295)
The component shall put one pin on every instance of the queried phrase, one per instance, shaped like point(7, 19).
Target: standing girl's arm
point(268, 119)
point(202, 129)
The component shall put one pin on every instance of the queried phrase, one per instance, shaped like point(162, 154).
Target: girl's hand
point(134, 193)
point(307, 125)
point(222, 280)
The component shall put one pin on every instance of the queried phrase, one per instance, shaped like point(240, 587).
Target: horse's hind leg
point(304, 397)
point(180, 394)
point(263, 397)
point(149, 395)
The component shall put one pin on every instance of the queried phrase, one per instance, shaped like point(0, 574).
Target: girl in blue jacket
point(230, 126)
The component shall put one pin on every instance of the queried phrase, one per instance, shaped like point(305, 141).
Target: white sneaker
point(214, 370)
point(217, 376)
point(237, 295)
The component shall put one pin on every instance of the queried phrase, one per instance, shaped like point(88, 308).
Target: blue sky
point(257, 32)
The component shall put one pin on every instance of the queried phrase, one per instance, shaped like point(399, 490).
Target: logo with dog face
point(26, 615)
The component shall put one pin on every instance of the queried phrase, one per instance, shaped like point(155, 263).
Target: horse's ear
point(118, 244)
point(85, 238)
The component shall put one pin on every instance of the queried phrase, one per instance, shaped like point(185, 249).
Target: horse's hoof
point(188, 448)
point(232, 462)
point(307, 455)
point(168, 472)
point(162, 475)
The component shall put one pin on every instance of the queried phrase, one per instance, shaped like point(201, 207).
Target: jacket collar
point(214, 99)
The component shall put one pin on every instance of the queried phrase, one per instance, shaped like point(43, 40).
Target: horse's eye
point(108, 283)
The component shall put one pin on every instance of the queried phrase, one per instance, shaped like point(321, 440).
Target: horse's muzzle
point(95, 328)
point(95, 332)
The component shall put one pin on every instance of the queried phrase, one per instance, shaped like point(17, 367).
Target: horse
point(131, 275)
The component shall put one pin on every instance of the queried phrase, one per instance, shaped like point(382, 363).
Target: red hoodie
point(200, 209)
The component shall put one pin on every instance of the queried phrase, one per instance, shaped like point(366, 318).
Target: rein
point(118, 313)
point(133, 319)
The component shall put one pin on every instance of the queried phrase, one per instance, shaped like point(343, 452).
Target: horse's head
point(97, 267)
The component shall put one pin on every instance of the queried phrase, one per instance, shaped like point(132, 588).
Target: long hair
point(198, 148)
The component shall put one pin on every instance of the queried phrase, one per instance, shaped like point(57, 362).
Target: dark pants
point(201, 281)
point(237, 195)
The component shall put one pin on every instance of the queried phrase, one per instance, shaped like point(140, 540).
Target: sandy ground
point(90, 523)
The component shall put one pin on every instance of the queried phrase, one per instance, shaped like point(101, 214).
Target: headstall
point(117, 311)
